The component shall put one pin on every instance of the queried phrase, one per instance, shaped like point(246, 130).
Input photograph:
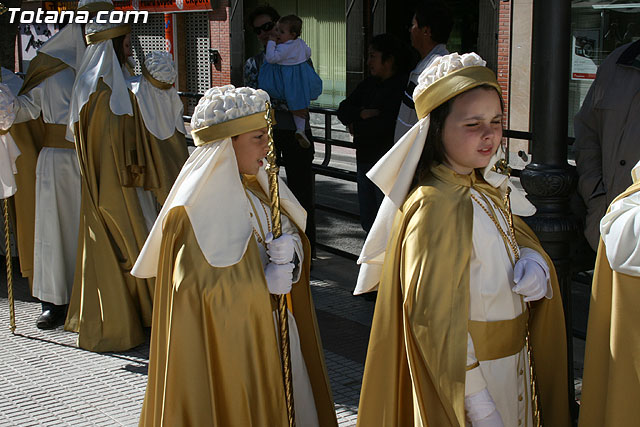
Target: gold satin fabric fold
point(155, 82)
point(611, 381)
point(418, 340)
point(503, 338)
point(108, 307)
point(229, 128)
point(96, 6)
point(111, 33)
point(452, 85)
point(214, 358)
point(40, 68)
point(54, 136)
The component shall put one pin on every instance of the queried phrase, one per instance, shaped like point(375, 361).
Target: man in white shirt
point(430, 29)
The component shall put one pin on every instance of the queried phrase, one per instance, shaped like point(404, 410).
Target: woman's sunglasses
point(267, 26)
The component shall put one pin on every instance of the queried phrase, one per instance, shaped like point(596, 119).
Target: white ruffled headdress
point(158, 99)
point(100, 62)
point(209, 185)
point(394, 172)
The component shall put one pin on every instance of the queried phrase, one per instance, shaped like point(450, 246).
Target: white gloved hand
point(280, 250)
point(481, 410)
point(279, 278)
point(7, 107)
point(530, 279)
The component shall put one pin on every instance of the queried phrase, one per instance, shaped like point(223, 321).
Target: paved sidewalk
point(46, 380)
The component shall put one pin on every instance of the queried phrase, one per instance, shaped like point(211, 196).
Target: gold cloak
point(29, 137)
point(611, 381)
point(109, 307)
point(214, 358)
point(419, 334)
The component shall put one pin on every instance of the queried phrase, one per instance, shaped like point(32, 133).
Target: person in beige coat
point(607, 130)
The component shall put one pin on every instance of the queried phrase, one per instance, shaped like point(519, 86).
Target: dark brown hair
point(119, 48)
point(264, 9)
point(292, 22)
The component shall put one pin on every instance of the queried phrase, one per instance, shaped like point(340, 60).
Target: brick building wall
point(504, 36)
point(219, 27)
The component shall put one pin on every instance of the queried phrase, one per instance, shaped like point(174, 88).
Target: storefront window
point(597, 29)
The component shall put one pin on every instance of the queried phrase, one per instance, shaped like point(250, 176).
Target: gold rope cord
point(7, 241)
point(283, 317)
point(537, 418)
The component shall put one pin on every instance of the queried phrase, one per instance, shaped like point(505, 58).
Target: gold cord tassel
point(7, 241)
point(283, 317)
point(502, 167)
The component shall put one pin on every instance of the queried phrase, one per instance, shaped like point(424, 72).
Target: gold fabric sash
point(54, 136)
point(452, 85)
point(503, 338)
point(41, 68)
point(96, 6)
point(111, 33)
point(229, 128)
point(155, 82)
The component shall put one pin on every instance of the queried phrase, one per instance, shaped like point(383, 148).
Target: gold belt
point(54, 136)
point(495, 340)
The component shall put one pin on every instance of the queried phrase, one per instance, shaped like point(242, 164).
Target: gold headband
point(454, 84)
point(229, 128)
point(111, 33)
point(96, 6)
point(155, 82)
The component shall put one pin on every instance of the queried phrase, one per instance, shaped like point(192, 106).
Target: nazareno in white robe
point(57, 192)
point(491, 299)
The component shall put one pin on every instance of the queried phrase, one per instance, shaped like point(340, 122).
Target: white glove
point(481, 410)
point(280, 250)
point(279, 278)
point(530, 279)
point(7, 107)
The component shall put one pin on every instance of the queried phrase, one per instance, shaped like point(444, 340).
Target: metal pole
point(549, 180)
point(276, 228)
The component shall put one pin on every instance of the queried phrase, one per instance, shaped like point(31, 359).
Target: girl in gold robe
point(447, 345)
point(214, 357)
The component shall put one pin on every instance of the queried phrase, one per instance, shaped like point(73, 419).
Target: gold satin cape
point(109, 307)
point(611, 382)
point(419, 334)
point(214, 357)
point(29, 137)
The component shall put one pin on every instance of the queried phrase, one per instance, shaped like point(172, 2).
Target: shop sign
point(583, 54)
point(163, 5)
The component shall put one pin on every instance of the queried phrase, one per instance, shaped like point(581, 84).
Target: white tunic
point(491, 299)
point(57, 192)
point(305, 407)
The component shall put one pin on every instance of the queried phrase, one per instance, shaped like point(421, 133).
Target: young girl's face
point(251, 148)
point(284, 34)
point(472, 130)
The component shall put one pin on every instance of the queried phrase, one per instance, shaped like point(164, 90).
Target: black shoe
point(50, 319)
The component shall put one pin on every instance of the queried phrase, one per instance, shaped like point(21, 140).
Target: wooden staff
point(276, 226)
point(7, 242)
point(503, 167)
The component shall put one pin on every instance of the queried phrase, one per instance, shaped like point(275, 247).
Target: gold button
point(520, 398)
point(519, 422)
point(521, 371)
